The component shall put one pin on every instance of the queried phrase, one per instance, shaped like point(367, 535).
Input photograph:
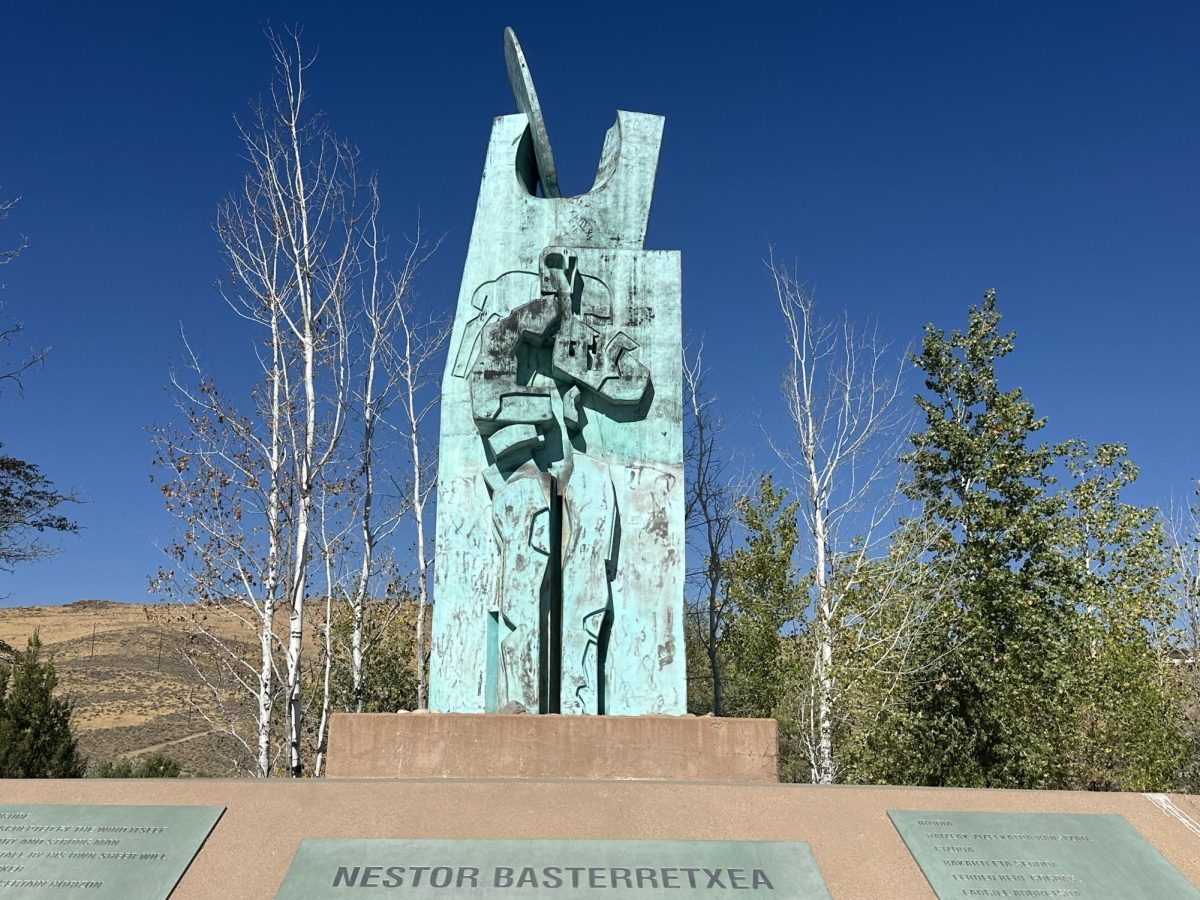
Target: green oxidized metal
point(560, 556)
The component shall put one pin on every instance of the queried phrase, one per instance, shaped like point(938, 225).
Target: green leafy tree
point(764, 640)
point(1183, 529)
point(989, 711)
point(35, 726)
point(389, 678)
point(891, 613)
point(1130, 721)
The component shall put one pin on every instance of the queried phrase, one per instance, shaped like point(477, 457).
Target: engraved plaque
point(971, 854)
point(99, 851)
point(502, 868)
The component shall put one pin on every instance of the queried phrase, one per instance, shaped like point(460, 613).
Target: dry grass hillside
point(132, 689)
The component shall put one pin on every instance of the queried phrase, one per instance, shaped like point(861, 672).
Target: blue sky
point(904, 156)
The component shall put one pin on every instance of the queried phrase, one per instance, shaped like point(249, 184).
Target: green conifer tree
point(35, 726)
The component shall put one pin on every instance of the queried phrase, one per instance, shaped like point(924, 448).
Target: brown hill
point(132, 688)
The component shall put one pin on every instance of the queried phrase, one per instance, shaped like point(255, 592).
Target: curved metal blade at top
point(521, 82)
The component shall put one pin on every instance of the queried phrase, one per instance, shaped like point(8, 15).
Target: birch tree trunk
point(379, 324)
point(330, 552)
point(310, 184)
point(223, 480)
point(294, 237)
point(420, 341)
point(250, 489)
point(266, 633)
point(841, 397)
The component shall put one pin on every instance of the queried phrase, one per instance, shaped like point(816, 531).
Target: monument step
point(464, 745)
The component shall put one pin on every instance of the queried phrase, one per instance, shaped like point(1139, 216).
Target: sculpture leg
point(521, 517)
point(590, 516)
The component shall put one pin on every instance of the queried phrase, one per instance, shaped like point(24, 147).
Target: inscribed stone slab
point(591, 869)
point(99, 851)
point(1089, 856)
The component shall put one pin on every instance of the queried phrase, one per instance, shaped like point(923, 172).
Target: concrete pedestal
point(454, 745)
point(858, 850)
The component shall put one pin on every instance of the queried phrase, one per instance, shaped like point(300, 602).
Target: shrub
point(156, 765)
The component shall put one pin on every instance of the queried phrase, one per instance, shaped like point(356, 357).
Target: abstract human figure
point(559, 567)
point(514, 401)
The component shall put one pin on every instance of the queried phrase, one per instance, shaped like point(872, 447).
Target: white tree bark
point(399, 343)
point(224, 482)
point(332, 547)
point(266, 633)
point(306, 261)
point(841, 395)
point(310, 185)
point(420, 340)
point(291, 236)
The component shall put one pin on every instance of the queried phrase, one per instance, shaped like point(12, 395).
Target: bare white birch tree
point(420, 344)
point(334, 533)
point(390, 376)
point(373, 398)
point(399, 344)
point(293, 237)
point(223, 477)
point(841, 390)
point(301, 257)
point(279, 506)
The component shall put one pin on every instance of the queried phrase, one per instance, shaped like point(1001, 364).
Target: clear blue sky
point(905, 156)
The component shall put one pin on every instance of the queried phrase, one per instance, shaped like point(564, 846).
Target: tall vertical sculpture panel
point(560, 543)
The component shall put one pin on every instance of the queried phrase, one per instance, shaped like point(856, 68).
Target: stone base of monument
point(455, 745)
point(852, 831)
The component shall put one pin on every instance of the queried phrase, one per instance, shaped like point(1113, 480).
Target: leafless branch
point(841, 390)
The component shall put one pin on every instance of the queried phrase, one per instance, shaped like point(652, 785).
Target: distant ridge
point(131, 690)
